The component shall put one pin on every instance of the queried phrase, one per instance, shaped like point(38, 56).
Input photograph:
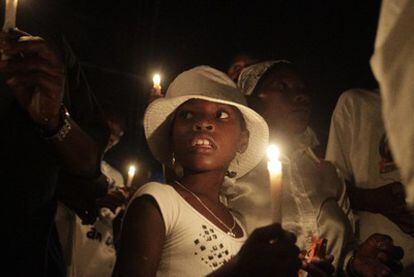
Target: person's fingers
point(30, 46)
point(48, 85)
point(267, 233)
point(324, 264)
point(30, 64)
point(371, 267)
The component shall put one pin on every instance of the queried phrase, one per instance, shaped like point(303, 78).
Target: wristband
point(64, 127)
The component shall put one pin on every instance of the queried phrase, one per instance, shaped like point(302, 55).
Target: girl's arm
point(142, 239)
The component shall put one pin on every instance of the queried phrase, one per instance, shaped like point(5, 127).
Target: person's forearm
point(79, 153)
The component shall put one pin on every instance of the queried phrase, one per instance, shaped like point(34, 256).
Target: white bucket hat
point(250, 76)
point(204, 82)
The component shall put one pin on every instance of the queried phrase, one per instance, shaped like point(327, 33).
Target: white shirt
point(314, 200)
point(393, 66)
point(355, 136)
point(193, 246)
point(89, 249)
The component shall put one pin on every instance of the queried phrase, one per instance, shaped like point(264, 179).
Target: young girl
point(203, 129)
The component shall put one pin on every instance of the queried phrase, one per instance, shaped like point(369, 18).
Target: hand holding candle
point(274, 167)
point(131, 173)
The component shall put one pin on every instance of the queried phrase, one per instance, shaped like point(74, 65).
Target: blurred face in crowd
point(116, 133)
point(240, 62)
point(281, 98)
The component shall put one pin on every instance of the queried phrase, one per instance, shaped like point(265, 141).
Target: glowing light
point(156, 79)
point(131, 174)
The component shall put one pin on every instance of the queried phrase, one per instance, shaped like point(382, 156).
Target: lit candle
point(9, 19)
point(10, 15)
point(131, 173)
point(156, 79)
point(274, 167)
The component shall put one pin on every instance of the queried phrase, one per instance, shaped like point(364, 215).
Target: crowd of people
point(71, 214)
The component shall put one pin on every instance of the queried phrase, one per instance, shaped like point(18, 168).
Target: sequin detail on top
point(210, 251)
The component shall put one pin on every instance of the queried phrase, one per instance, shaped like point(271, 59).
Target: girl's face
point(283, 101)
point(206, 135)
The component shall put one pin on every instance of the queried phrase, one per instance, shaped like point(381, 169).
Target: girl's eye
point(222, 115)
point(186, 115)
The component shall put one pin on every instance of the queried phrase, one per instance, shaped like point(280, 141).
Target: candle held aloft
point(9, 18)
point(156, 79)
point(10, 15)
point(131, 173)
point(274, 166)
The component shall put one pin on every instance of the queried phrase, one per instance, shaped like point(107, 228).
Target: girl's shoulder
point(155, 189)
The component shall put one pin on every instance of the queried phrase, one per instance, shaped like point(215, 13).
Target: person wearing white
point(315, 204)
point(393, 66)
point(356, 146)
point(204, 127)
point(191, 239)
point(89, 249)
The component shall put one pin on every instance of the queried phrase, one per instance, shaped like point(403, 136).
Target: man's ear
point(244, 141)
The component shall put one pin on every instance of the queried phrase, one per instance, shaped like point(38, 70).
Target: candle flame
point(131, 171)
point(156, 79)
point(273, 152)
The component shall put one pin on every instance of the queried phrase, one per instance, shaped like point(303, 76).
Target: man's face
point(283, 101)
point(206, 135)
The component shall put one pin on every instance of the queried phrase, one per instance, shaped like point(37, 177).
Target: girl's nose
point(203, 125)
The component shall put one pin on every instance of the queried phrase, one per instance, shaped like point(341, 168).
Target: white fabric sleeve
point(166, 199)
point(340, 136)
point(393, 66)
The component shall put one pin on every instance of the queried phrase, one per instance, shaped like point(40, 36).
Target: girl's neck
point(205, 184)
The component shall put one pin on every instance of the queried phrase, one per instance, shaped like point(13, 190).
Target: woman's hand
point(35, 76)
point(377, 256)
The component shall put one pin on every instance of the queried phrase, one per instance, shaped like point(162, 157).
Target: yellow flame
point(273, 152)
point(156, 79)
point(131, 171)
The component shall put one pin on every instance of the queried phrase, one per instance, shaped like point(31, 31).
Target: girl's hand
point(318, 266)
point(269, 251)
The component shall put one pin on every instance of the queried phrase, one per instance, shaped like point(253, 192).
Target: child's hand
point(318, 266)
point(269, 251)
point(377, 256)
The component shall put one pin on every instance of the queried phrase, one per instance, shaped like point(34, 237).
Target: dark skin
point(388, 200)
point(281, 98)
point(239, 63)
point(143, 237)
point(35, 75)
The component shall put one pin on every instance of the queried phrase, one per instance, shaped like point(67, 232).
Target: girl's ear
point(243, 141)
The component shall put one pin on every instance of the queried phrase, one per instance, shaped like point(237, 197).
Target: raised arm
point(142, 239)
point(35, 75)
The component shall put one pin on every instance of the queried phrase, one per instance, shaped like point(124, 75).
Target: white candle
point(10, 15)
point(156, 79)
point(131, 173)
point(274, 167)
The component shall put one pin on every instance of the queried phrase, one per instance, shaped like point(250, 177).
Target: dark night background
point(122, 43)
